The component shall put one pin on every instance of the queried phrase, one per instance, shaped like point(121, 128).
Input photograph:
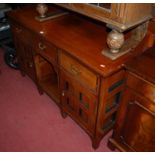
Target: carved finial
point(42, 9)
point(115, 41)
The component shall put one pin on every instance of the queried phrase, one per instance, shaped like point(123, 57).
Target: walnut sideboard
point(63, 57)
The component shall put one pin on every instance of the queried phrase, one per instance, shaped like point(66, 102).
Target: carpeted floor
point(30, 122)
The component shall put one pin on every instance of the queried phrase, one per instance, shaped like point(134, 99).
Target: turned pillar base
point(118, 46)
point(115, 40)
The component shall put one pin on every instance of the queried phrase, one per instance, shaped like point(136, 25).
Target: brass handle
point(41, 46)
point(75, 70)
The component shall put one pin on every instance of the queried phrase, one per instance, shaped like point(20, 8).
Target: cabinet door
point(25, 58)
point(139, 124)
point(78, 102)
point(86, 107)
point(67, 94)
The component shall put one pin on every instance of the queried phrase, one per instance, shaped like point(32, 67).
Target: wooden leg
point(95, 143)
point(41, 92)
point(111, 145)
point(63, 114)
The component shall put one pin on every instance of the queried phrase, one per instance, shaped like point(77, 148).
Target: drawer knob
point(18, 30)
point(41, 46)
point(30, 64)
point(75, 70)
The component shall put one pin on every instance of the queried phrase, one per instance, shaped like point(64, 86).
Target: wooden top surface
point(81, 37)
point(144, 65)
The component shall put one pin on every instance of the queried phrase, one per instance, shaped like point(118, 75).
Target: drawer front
point(81, 73)
point(143, 87)
point(21, 33)
point(46, 50)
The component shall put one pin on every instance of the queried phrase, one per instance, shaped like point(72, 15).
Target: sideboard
point(63, 57)
point(137, 108)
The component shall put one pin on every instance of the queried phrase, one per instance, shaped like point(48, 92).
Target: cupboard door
point(137, 132)
point(78, 102)
point(25, 58)
point(20, 50)
point(86, 107)
point(67, 94)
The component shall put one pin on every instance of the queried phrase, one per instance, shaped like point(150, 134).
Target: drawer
point(80, 72)
point(21, 33)
point(48, 51)
point(143, 87)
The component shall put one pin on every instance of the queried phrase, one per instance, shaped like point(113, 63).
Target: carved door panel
point(67, 94)
point(139, 124)
point(78, 102)
point(86, 107)
point(25, 58)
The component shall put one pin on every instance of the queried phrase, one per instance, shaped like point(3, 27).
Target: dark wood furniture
point(63, 58)
point(137, 109)
point(120, 17)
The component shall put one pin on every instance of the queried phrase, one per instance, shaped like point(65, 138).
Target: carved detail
point(42, 9)
point(118, 47)
point(115, 41)
point(139, 32)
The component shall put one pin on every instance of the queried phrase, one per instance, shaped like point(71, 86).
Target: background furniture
point(120, 17)
point(63, 57)
point(137, 109)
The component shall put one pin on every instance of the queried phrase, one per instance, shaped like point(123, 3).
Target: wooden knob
point(41, 46)
point(18, 30)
